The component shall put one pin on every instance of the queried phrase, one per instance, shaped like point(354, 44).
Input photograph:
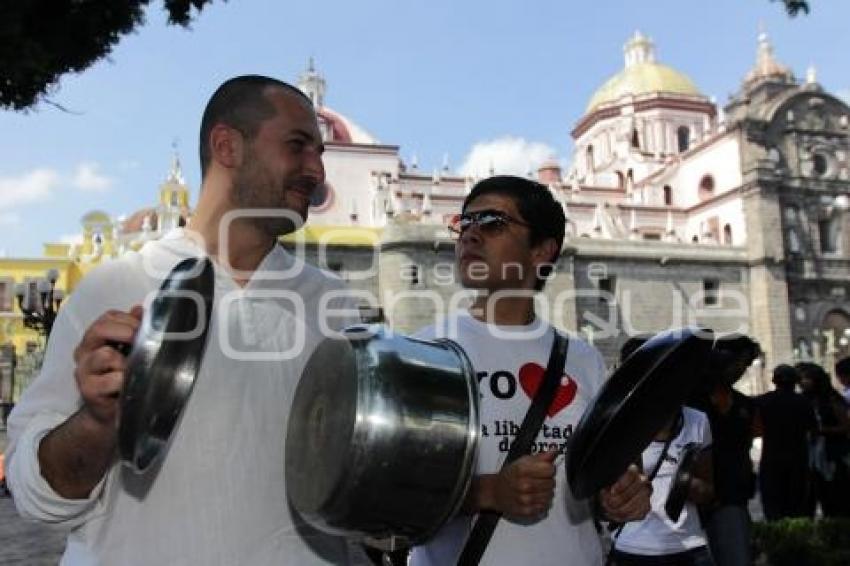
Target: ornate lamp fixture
point(39, 308)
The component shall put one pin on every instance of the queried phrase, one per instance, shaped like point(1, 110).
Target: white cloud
point(35, 186)
point(9, 219)
point(87, 177)
point(505, 155)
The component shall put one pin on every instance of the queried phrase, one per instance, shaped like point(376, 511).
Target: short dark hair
point(785, 376)
point(240, 103)
point(730, 357)
point(815, 373)
point(842, 367)
point(535, 205)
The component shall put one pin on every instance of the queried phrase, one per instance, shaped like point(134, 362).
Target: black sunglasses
point(488, 221)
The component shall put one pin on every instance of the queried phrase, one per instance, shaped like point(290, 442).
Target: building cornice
point(642, 104)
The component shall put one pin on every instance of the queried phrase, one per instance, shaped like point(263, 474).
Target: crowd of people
point(219, 497)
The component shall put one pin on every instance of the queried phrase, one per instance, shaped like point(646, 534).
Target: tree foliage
point(44, 39)
point(794, 7)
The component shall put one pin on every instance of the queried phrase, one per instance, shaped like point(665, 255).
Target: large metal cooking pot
point(382, 436)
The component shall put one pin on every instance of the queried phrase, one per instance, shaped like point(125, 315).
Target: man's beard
point(255, 187)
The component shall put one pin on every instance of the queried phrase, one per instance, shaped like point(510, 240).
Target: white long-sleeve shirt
point(219, 494)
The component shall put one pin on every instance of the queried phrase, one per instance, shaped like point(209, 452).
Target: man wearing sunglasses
point(509, 235)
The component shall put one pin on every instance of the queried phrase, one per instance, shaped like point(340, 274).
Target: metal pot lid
point(164, 361)
point(641, 396)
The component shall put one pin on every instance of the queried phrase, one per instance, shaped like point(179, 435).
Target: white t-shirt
point(509, 362)
point(219, 496)
point(657, 534)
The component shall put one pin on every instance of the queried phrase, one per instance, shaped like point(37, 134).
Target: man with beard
point(219, 496)
point(509, 234)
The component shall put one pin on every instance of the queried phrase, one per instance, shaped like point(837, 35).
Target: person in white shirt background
point(659, 540)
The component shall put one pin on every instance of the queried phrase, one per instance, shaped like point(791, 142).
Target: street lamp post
point(39, 309)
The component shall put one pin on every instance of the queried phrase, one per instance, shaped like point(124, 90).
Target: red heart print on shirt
point(530, 377)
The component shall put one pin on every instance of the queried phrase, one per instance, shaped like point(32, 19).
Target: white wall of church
point(716, 218)
point(721, 160)
point(349, 172)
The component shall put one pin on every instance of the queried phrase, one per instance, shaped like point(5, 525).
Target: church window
point(635, 139)
point(819, 164)
point(668, 195)
point(630, 180)
point(706, 187)
point(589, 159)
point(712, 229)
point(791, 214)
point(793, 241)
point(727, 234)
point(607, 289)
point(32, 298)
point(695, 239)
point(683, 136)
point(175, 198)
point(710, 292)
point(652, 236)
point(621, 181)
point(6, 292)
point(829, 231)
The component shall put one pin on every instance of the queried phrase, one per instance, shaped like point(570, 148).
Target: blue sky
point(435, 77)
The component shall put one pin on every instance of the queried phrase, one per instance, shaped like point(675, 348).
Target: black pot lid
point(164, 361)
point(641, 396)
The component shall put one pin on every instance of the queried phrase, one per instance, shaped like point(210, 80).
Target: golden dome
point(642, 78)
point(642, 75)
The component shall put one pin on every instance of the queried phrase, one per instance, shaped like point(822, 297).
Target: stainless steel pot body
point(382, 436)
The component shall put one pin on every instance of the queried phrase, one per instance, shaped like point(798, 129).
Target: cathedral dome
point(642, 75)
point(95, 217)
point(339, 128)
